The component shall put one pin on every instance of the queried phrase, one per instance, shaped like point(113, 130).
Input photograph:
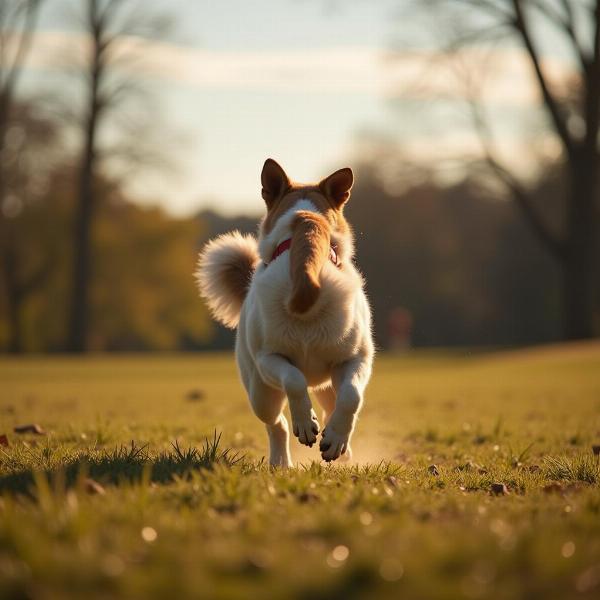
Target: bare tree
point(107, 23)
point(575, 120)
point(17, 25)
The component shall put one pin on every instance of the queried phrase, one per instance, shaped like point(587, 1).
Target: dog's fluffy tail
point(225, 269)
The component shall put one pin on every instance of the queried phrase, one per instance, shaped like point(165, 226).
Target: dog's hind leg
point(278, 372)
point(268, 403)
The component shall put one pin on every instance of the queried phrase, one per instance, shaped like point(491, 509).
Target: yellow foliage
point(142, 295)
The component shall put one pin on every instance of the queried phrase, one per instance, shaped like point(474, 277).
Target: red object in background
point(4, 440)
point(400, 323)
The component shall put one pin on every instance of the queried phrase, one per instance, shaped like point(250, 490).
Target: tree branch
point(549, 100)
point(13, 70)
point(566, 24)
point(552, 242)
point(490, 6)
point(592, 100)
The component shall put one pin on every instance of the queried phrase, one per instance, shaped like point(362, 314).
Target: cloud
point(425, 79)
point(506, 74)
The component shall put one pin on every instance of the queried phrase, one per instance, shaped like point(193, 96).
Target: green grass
point(188, 514)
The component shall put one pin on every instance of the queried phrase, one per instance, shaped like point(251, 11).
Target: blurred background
point(132, 131)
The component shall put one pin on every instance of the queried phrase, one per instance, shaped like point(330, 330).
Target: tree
point(575, 120)
point(107, 23)
point(142, 294)
point(31, 153)
point(458, 258)
point(17, 24)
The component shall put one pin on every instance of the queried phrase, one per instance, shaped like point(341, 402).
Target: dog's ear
point(337, 186)
point(274, 181)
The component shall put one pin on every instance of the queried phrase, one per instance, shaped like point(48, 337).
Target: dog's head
point(285, 197)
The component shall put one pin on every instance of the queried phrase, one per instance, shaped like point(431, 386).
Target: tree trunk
point(578, 274)
point(14, 297)
point(15, 336)
point(79, 307)
point(78, 317)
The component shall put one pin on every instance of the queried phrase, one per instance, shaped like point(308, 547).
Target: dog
point(302, 317)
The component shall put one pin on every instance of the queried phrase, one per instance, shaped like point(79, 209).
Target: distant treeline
point(456, 260)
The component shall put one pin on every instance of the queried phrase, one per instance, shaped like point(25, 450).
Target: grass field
point(417, 517)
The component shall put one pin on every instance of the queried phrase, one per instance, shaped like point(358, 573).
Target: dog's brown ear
point(274, 181)
point(337, 186)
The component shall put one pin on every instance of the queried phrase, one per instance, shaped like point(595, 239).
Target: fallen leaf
point(307, 497)
point(552, 488)
point(93, 487)
point(30, 428)
point(433, 470)
point(195, 395)
point(499, 489)
point(468, 466)
point(4, 440)
point(596, 449)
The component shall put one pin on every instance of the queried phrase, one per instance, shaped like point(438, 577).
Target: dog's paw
point(306, 429)
point(333, 444)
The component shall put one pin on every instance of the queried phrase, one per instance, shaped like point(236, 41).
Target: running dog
point(302, 317)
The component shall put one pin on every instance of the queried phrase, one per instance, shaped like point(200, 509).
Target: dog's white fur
point(217, 255)
point(328, 349)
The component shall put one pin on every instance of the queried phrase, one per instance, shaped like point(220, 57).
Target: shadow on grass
point(124, 464)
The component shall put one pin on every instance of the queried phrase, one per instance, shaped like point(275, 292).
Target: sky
point(300, 81)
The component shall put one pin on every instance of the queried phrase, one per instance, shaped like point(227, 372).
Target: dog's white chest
point(313, 345)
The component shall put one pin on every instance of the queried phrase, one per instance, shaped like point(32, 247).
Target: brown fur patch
point(275, 182)
point(328, 196)
point(337, 186)
point(309, 192)
point(308, 253)
point(287, 201)
point(237, 275)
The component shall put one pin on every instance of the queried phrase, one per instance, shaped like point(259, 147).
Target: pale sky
point(296, 80)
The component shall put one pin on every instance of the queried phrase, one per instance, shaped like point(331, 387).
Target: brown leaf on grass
point(30, 428)
point(4, 440)
point(307, 498)
point(195, 395)
point(433, 470)
point(393, 481)
point(468, 466)
point(552, 488)
point(596, 449)
point(498, 489)
point(562, 488)
point(93, 487)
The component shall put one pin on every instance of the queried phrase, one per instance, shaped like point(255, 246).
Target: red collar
point(286, 245)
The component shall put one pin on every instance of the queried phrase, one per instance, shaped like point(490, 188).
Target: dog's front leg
point(349, 380)
point(279, 373)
